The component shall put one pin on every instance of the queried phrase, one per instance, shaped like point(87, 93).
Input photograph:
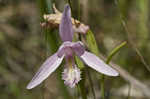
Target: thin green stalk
point(123, 7)
point(91, 83)
point(78, 4)
point(81, 86)
point(129, 91)
point(102, 86)
point(114, 51)
point(142, 25)
point(69, 2)
point(49, 6)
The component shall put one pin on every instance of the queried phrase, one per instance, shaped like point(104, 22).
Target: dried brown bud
point(53, 21)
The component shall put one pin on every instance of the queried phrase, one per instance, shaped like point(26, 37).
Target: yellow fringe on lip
point(70, 64)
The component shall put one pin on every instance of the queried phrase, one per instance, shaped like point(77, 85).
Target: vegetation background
point(23, 46)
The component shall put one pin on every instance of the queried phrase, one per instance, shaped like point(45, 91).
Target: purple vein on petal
point(49, 66)
point(94, 62)
point(65, 28)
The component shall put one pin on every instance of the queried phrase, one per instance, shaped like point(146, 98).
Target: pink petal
point(63, 47)
point(49, 66)
point(94, 62)
point(78, 48)
point(65, 28)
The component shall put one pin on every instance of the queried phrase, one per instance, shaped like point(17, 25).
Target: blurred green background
point(23, 45)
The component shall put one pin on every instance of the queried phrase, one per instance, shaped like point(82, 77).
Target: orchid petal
point(61, 50)
point(94, 62)
point(78, 48)
point(65, 28)
point(63, 47)
point(49, 66)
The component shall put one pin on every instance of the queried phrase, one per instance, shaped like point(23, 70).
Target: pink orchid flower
point(71, 73)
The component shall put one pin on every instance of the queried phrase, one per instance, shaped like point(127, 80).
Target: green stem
point(142, 27)
point(78, 4)
point(129, 91)
point(102, 86)
point(91, 83)
point(82, 86)
point(69, 2)
point(114, 51)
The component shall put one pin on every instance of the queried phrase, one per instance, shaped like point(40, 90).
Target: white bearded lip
point(71, 76)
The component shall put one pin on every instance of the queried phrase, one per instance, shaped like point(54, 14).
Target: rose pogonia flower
point(71, 73)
